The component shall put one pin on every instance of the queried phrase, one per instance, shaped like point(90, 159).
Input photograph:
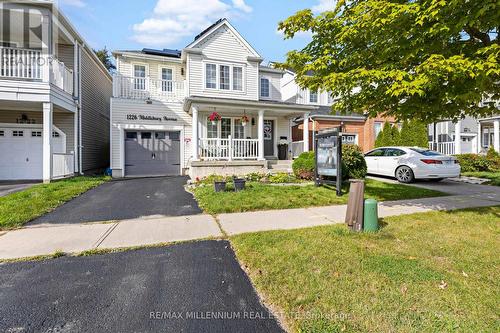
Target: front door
point(268, 137)
point(150, 153)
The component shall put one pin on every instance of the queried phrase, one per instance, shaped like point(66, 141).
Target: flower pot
point(239, 184)
point(219, 186)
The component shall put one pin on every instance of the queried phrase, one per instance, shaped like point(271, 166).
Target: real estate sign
point(328, 148)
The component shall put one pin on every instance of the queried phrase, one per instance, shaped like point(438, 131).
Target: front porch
point(232, 137)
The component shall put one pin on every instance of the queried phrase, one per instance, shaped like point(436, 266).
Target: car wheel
point(405, 174)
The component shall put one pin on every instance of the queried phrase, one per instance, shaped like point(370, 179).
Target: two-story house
point(209, 108)
point(54, 96)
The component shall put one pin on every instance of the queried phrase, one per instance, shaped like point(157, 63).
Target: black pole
point(339, 164)
point(316, 178)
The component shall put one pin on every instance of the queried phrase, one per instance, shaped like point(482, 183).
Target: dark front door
point(152, 153)
point(268, 137)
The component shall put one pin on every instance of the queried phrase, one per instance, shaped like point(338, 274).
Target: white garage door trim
point(166, 128)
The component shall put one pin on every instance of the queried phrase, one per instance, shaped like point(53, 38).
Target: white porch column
point(260, 134)
point(458, 137)
point(195, 140)
point(496, 135)
point(47, 142)
point(479, 137)
point(306, 132)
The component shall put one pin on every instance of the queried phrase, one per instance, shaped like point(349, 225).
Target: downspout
point(80, 109)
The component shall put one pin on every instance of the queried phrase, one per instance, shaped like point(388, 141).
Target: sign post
point(328, 158)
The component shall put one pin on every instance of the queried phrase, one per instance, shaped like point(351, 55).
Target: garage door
point(21, 152)
point(152, 153)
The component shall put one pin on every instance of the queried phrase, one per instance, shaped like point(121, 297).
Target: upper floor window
point(224, 77)
point(238, 78)
point(264, 87)
point(139, 77)
point(166, 79)
point(211, 76)
point(377, 128)
point(313, 97)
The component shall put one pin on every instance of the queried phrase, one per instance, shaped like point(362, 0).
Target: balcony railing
point(61, 76)
point(228, 149)
point(147, 88)
point(20, 63)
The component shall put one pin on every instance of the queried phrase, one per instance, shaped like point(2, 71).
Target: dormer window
point(313, 97)
point(264, 87)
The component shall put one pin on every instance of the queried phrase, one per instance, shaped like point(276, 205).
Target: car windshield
point(426, 152)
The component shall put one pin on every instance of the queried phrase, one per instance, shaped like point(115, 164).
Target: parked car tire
point(404, 174)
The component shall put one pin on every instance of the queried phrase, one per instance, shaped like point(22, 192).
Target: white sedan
point(408, 164)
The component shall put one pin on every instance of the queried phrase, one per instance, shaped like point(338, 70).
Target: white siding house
point(163, 101)
point(54, 96)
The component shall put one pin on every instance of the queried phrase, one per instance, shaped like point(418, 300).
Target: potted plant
point(214, 117)
point(219, 184)
point(239, 183)
point(244, 120)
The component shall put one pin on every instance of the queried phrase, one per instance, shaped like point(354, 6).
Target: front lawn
point(494, 177)
point(260, 196)
point(428, 272)
point(21, 207)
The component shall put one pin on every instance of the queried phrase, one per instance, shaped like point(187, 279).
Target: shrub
point(474, 163)
point(303, 166)
point(353, 162)
point(282, 177)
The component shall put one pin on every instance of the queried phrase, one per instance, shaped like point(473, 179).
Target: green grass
point(21, 207)
point(494, 177)
point(428, 272)
point(258, 196)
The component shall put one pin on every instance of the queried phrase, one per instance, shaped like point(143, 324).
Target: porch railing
point(297, 148)
point(228, 149)
point(144, 88)
point(62, 165)
point(20, 63)
point(61, 76)
point(446, 148)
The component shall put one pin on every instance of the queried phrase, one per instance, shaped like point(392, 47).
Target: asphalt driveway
point(126, 199)
point(9, 187)
point(181, 288)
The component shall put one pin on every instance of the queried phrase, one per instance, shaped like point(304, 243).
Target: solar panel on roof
point(164, 52)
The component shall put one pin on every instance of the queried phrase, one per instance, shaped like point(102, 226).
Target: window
point(264, 87)
point(146, 135)
point(36, 133)
point(238, 78)
point(174, 136)
point(224, 77)
point(131, 135)
point(2, 133)
point(377, 128)
point(376, 153)
point(426, 152)
point(160, 135)
point(313, 97)
point(18, 133)
point(212, 132)
point(166, 80)
point(239, 130)
point(55, 135)
point(394, 152)
point(225, 128)
point(139, 77)
point(211, 76)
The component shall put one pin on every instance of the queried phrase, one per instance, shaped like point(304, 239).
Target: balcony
point(146, 88)
point(28, 64)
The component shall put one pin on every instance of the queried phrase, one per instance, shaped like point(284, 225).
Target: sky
point(135, 24)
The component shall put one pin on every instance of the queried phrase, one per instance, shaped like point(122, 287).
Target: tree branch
point(477, 34)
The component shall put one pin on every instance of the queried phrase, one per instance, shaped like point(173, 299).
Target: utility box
point(370, 221)
point(355, 205)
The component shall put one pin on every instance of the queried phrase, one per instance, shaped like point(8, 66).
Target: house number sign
point(133, 116)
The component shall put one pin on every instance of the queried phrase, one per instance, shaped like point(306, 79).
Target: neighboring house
point(54, 96)
point(476, 135)
point(163, 99)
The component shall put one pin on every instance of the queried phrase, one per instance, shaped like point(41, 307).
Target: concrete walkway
point(45, 239)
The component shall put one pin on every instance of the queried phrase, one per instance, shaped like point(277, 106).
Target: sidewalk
point(46, 239)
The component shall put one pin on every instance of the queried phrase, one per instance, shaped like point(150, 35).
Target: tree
point(395, 135)
point(384, 137)
point(414, 134)
point(105, 58)
point(411, 59)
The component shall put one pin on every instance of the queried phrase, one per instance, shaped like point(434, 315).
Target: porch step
point(277, 166)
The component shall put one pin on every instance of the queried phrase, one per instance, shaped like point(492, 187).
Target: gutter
point(247, 103)
point(333, 117)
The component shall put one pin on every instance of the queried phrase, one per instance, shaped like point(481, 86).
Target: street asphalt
point(126, 199)
point(181, 288)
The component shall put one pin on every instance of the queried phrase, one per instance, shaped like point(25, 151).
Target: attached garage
point(152, 153)
point(21, 151)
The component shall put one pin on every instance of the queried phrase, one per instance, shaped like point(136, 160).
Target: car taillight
point(427, 161)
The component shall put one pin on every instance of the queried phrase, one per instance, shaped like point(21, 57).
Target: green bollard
point(370, 222)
